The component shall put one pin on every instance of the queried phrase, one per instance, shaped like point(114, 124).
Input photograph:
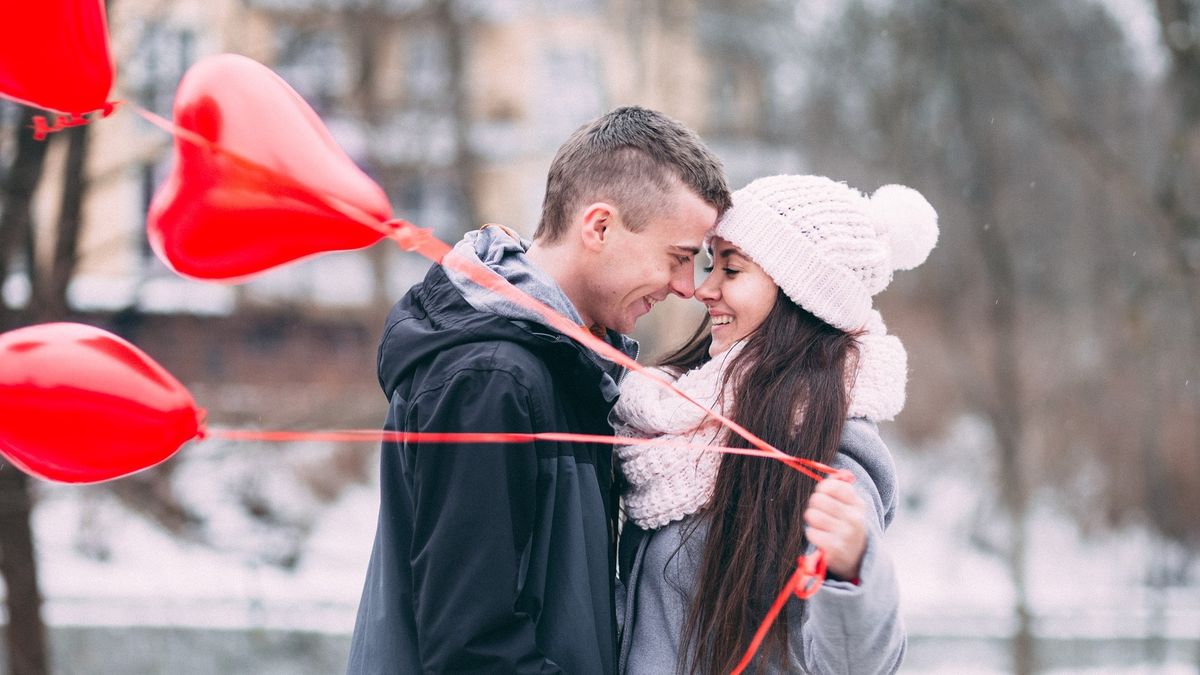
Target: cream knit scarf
point(669, 484)
point(666, 484)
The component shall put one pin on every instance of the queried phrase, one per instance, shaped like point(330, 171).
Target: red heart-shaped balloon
point(54, 54)
point(81, 405)
point(258, 180)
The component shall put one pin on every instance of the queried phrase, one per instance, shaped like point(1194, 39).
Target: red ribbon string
point(804, 582)
point(808, 467)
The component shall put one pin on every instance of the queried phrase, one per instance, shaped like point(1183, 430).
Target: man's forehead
point(686, 249)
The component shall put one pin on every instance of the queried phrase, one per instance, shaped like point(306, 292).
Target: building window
point(738, 99)
point(572, 81)
point(312, 62)
point(163, 54)
point(428, 72)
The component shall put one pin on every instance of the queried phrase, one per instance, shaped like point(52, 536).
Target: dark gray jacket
point(489, 558)
point(848, 629)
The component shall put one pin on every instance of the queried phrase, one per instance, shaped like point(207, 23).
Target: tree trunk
point(465, 163)
point(370, 26)
point(1005, 409)
point(19, 185)
point(52, 305)
point(1004, 405)
point(1183, 146)
point(25, 633)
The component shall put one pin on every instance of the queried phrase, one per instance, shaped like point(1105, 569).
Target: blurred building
point(455, 108)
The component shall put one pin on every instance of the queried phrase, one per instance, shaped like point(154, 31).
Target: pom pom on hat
point(910, 222)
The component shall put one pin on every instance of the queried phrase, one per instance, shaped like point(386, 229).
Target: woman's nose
point(709, 290)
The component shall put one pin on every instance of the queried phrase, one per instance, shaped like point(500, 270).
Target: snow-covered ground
point(105, 567)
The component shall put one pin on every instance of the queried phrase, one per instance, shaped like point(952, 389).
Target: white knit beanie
point(826, 245)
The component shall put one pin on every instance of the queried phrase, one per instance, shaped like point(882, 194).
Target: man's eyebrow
point(690, 250)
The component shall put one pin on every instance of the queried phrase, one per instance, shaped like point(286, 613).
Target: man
point(500, 558)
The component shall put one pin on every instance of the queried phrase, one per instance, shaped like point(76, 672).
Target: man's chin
point(625, 324)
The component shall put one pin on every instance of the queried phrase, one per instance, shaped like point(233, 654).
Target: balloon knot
point(43, 128)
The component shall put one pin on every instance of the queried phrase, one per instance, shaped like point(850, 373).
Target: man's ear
point(596, 223)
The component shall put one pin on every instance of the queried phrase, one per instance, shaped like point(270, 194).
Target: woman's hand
point(836, 519)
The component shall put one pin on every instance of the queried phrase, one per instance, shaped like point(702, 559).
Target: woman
point(792, 350)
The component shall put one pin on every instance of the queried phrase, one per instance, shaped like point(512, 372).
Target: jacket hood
point(434, 316)
point(502, 252)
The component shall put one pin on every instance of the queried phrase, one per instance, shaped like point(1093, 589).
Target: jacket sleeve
point(857, 628)
point(473, 512)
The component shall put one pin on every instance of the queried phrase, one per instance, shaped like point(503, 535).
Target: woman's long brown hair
point(792, 369)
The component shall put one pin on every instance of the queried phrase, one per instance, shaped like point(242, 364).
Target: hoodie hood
point(502, 252)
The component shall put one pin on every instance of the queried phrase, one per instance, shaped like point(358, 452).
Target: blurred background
point(1049, 451)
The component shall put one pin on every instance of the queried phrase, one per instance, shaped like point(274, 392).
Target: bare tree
point(1179, 21)
point(1163, 196)
point(51, 298)
point(25, 632)
point(1065, 280)
point(48, 302)
point(1004, 406)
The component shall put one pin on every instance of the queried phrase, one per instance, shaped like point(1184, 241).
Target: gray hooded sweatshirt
point(847, 628)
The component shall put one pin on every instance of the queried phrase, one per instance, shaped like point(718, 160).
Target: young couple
point(503, 558)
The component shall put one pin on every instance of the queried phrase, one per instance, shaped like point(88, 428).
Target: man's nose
point(683, 283)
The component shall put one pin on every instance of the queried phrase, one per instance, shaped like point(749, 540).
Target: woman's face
point(738, 295)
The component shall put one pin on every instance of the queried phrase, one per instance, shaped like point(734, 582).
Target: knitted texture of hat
point(825, 244)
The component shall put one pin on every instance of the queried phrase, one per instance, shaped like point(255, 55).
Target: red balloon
point(81, 405)
point(264, 196)
point(54, 54)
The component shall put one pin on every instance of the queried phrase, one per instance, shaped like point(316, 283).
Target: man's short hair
point(632, 158)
